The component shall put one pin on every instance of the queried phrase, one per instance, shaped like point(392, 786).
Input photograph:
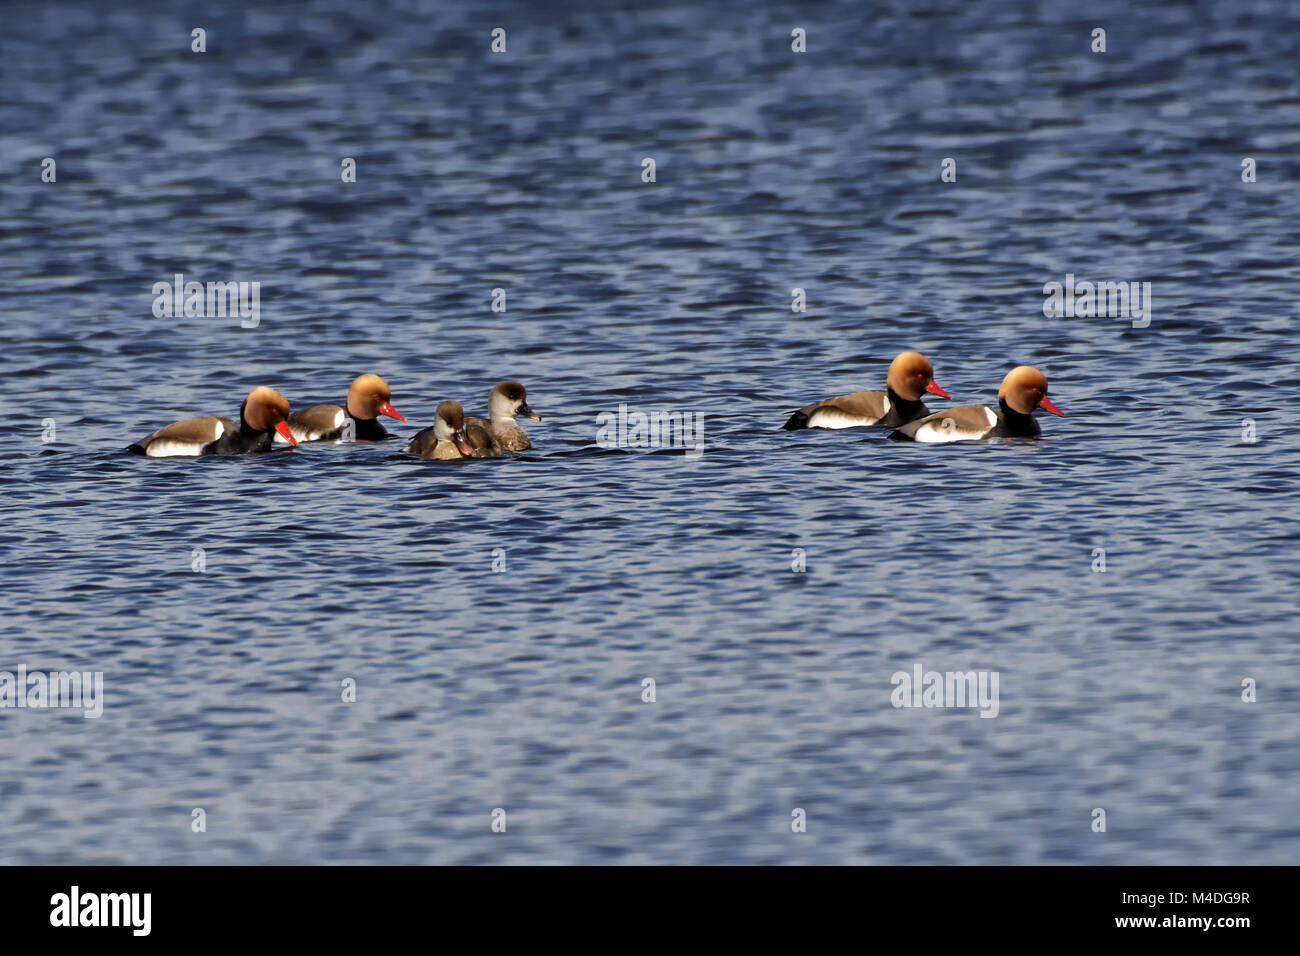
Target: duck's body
point(368, 398)
point(482, 440)
point(879, 407)
point(910, 376)
point(443, 451)
point(421, 442)
point(445, 440)
point(261, 416)
point(330, 423)
point(971, 423)
point(501, 435)
point(505, 401)
point(1023, 390)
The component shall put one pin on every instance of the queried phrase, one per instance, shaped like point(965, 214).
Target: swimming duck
point(368, 398)
point(445, 440)
point(505, 401)
point(263, 413)
point(910, 376)
point(1023, 390)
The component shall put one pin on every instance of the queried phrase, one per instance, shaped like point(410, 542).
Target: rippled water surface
point(522, 690)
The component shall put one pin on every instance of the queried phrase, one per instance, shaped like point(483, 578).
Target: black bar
point(332, 904)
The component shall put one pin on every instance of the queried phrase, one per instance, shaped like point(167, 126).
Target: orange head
point(911, 376)
point(368, 398)
point(1025, 389)
point(264, 409)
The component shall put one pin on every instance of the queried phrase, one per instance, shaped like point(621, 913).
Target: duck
point(505, 401)
point(910, 376)
point(1023, 391)
point(445, 439)
point(368, 398)
point(263, 414)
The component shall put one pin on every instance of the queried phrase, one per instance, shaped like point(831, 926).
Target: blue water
point(521, 690)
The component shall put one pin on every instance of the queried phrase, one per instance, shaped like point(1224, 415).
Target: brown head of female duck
point(505, 401)
point(445, 440)
point(263, 414)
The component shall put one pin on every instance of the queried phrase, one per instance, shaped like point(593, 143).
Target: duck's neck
point(904, 406)
point(244, 427)
point(368, 429)
point(1017, 423)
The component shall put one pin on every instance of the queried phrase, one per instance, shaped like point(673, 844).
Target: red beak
point(1047, 406)
point(390, 411)
point(283, 429)
point(462, 443)
point(934, 389)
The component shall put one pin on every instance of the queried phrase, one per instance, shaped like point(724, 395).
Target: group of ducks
point(265, 420)
point(899, 406)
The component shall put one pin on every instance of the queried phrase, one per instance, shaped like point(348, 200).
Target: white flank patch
point(175, 448)
point(827, 418)
point(936, 433)
point(171, 448)
point(309, 434)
